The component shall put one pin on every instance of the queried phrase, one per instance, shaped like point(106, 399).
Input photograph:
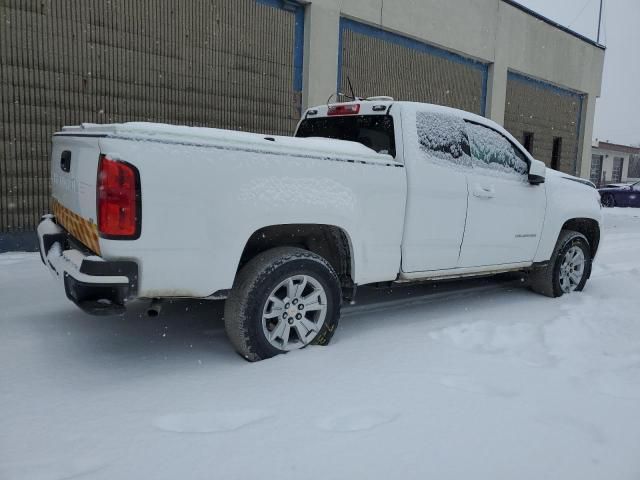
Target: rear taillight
point(118, 199)
point(345, 109)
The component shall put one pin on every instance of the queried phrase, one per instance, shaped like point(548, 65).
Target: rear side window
point(494, 153)
point(373, 131)
point(443, 138)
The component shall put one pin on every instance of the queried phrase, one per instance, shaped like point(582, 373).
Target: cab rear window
point(373, 131)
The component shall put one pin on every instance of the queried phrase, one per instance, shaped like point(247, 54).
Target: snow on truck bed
point(231, 138)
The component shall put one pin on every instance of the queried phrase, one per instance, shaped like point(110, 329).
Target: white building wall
point(607, 163)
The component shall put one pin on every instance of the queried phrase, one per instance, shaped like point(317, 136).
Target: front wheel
point(569, 267)
point(608, 200)
point(284, 299)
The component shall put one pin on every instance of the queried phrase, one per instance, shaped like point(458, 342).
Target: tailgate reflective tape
point(79, 228)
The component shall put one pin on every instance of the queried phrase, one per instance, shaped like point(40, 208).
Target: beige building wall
point(492, 31)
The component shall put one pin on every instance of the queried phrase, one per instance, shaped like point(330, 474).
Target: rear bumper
point(97, 286)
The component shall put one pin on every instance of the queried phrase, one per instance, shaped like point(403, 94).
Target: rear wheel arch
point(328, 241)
point(284, 298)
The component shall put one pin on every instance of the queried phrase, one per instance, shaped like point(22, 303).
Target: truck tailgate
point(74, 167)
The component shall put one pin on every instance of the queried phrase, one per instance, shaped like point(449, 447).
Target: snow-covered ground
point(481, 380)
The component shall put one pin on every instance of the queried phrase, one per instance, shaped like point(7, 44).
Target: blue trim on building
point(298, 49)
point(298, 46)
point(485, 85)
point(565, 92)
point(543, 85)
point(341, 28)
point(579, 125)
point(407, 42)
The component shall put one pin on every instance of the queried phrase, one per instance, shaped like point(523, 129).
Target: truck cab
point(476, 199)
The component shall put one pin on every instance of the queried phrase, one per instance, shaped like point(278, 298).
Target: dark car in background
point(621, 195)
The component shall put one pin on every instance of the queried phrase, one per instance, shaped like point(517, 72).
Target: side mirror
point(537, 172)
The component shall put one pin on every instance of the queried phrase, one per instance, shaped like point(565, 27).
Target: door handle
point(484, 191)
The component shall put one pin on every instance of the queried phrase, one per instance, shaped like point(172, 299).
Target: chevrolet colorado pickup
point(285, 228)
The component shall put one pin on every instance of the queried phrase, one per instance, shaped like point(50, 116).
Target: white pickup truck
point(285, 228)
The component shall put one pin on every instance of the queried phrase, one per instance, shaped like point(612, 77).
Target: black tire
point(252, 287)
point(608, 200)
point(546, 280)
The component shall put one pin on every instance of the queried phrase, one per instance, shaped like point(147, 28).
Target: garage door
point(383, 63)
point(546, 115)
point(199, 62)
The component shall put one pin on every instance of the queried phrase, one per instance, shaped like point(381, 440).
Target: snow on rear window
point(491, 151)
point(443, 137)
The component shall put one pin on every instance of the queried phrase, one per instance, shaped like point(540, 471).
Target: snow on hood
point(551, 173)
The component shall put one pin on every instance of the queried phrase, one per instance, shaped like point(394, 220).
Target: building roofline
point(553, 23)
point(616, 147)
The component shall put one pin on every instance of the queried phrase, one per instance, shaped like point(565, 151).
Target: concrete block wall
point(380, 63)
point(203, 62)
point(547, 113)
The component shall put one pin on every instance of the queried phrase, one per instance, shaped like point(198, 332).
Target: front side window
point(442, 138)
point(373, 131)
point(493, 153)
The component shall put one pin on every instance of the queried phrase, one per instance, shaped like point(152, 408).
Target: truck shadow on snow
point(192, 332)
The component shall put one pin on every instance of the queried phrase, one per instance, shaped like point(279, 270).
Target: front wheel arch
point(588, 227)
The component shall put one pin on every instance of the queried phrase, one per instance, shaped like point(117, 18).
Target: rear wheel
point(608, 200)
point(282, 300)
point(569, 267)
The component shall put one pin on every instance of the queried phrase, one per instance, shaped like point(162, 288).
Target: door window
point(634, 166)
point(596, 169)
point(556, 153)
point(527, 143)
point(442, 139)
point(616, 173)
point(493, 154)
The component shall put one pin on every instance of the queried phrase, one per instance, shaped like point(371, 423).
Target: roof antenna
point(353, 95)
point(338, 94)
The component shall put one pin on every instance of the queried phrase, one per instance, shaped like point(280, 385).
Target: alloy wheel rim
point(294, 312)
point(572, 269)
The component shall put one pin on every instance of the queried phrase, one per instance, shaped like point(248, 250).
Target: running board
point(462, 272)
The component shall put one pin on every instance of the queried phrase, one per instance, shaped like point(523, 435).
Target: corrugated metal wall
point(548, 112)
point(383, 63)
point(219, 63)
